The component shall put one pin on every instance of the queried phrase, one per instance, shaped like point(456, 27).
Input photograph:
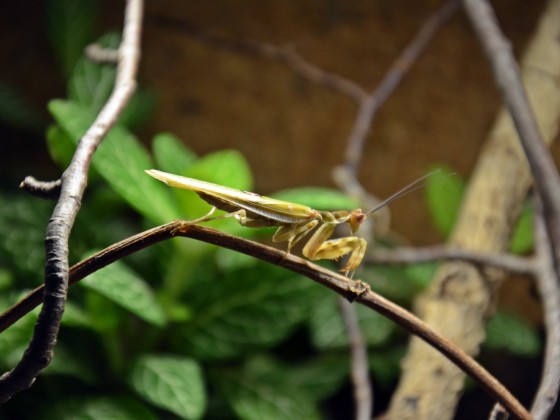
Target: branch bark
point(74, 180)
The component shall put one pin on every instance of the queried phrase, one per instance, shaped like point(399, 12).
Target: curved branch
point(352, 290)
point(549, 290)
point(41, 347)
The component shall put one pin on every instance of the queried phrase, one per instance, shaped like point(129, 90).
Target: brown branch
point(405, 255)
point(352, 290)
point(549, 289)
point(508, 78)
point(362, 386)
point(40, 350)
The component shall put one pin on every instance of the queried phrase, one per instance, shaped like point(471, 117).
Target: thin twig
point(363, 394)
point(352, 290)
point(43, 189)
point(285, 55)
point(498, 413)
point(549, 289)
point(97, 53)
point(508, 78)
point(371, 104)
point(74, 180)
point(406, 255)
point(345, 176)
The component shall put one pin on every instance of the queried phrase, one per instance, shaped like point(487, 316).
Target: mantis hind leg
point(239, 215)
point(294, 233)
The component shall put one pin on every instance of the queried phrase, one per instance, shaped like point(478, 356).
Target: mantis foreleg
point(320, 248)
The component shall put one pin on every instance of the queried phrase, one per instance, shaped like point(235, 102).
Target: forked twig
point(370, 104)
point(353, 290)
point(74, 180)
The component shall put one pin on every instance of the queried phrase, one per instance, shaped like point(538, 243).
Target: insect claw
point(205, 217)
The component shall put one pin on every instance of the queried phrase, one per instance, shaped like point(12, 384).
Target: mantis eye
point(357, 217)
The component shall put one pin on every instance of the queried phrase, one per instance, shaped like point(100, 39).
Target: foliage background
point(184, 329)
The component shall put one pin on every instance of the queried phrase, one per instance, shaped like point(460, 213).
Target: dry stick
point(371, 104)
point(74, 180)
point(549, 289)
point(409, 255)
point(508, 78)
point(353, 290)
point(363, 388)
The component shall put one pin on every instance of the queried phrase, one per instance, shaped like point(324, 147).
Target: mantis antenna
point(415, 185)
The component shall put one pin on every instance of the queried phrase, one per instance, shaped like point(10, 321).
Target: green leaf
point(172, 383)
point(229, 261)
point(318, 377)
point(420, 274)
point(69, 363)
point(14, 340)
point(510, 332)
point(60, 144)
point(70, 25)
point(318, 198)
point(328, 330)
point(256, 397)
point(121, 160)
point(6, 280)
point(75, 316)
point(399, 283)
point(444, 197)
point(23, 221)
point(91, 84)
point(245, 310)
point(121, 285)
point(171, 155)
point(96, 408)
point(385, 364)
point(226, 167)
point(105, 314)
point(139, 109)
point(522, 240)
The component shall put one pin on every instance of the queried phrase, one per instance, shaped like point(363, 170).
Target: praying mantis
point(294, 221)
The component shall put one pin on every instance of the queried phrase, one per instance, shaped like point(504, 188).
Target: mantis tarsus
point(294, 221)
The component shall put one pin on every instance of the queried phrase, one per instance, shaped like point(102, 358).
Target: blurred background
point(291, 132)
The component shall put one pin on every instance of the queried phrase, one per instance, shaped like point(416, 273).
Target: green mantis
point(294, 221)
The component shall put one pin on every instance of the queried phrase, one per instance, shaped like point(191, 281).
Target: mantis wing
point(227, 199)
